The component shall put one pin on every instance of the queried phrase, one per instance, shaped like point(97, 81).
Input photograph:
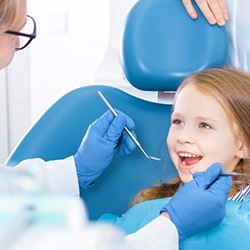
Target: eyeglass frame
point(31, 36)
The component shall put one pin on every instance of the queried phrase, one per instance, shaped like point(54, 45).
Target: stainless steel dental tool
point(127, 130)
point(246, 163)
point(227, 174)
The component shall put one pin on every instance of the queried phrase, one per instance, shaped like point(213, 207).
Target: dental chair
point(161, 45)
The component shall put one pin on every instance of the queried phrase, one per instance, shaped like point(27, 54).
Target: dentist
point(105, 136)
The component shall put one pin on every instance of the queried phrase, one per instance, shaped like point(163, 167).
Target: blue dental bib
point(232, 234)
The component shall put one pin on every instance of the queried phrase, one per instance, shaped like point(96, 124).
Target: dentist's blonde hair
point(8, 14)
point(231, 88)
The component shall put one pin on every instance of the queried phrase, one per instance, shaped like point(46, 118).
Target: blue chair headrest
point(162, 45)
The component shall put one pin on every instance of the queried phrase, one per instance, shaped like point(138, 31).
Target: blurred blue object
point(162, 45)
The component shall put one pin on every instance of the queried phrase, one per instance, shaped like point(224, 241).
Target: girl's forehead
point(190, 100)
point(190, 94)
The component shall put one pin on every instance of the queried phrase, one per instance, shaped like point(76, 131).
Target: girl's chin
point(186, 179)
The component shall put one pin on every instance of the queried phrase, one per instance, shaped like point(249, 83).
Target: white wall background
point(4, 146)
point(14, 103)
point(72, 39)
point(77, 45)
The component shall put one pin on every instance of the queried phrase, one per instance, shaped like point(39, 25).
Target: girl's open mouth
point(186, 160)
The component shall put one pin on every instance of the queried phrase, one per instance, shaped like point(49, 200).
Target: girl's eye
point(177, 122)
point(204, 125)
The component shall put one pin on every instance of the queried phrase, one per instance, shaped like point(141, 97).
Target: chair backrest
point(59, 132)
point(160, 47)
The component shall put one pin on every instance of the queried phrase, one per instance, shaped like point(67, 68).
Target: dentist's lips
point(187, 160)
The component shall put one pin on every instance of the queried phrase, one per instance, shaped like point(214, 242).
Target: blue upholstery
point(59, 131)
point(162, 45)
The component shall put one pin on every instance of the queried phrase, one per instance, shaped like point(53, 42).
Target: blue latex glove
point(98, 146)
point(201, 203)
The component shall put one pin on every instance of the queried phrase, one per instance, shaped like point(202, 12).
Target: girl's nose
point(185, 136)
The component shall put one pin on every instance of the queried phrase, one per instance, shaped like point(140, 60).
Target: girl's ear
point(246, 152)
point(243, 151)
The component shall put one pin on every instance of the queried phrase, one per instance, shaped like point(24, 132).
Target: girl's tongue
point(188, 161)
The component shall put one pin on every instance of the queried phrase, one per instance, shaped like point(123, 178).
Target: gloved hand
point(201, 203)
point(98, 146)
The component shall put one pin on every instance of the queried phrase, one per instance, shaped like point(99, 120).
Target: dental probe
point(127, 130)
point(231, 174)
point(226, 174)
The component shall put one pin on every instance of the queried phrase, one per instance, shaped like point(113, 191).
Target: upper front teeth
point(187, 155)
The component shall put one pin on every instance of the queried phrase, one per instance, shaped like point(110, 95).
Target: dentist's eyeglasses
point(26, 34)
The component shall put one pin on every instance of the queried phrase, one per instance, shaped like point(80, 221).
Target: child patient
point(210, 123)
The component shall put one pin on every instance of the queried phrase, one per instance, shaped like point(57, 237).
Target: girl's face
point(8, 42)
point(200, 135)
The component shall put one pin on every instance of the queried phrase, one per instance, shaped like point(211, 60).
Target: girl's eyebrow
point(204, 118)
point(176, 113)
point(198, 118)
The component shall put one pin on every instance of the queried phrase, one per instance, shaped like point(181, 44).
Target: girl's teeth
point(187, 155)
